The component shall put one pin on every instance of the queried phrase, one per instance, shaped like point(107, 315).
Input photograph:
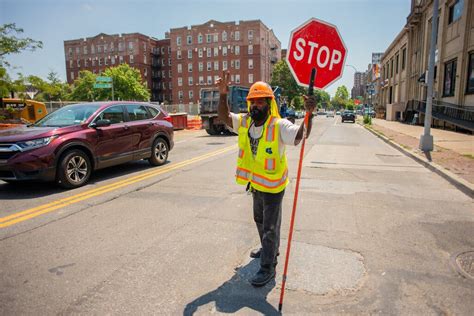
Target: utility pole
point(426, 140)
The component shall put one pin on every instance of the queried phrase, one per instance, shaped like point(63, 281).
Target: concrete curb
point(463, 185)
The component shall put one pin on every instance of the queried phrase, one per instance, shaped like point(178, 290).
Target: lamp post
point(426, 140)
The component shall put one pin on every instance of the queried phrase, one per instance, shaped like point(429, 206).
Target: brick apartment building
point(360, 80)
point(147, 54)
point(199, 54)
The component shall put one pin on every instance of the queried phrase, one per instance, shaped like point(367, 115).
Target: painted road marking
point(49, 207)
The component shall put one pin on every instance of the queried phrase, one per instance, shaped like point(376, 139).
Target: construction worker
point(262, 164)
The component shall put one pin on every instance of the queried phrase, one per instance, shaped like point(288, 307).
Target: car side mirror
point(100, 123)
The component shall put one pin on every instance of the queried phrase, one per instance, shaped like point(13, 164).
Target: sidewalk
point(453, 151)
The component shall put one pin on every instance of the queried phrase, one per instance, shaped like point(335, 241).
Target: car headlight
point(35, 143)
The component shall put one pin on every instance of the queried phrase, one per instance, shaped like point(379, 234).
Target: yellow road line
point(49, 207)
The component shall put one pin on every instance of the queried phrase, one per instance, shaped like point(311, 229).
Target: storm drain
point(464, 263)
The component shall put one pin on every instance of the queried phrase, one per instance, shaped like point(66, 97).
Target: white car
point(330, 114)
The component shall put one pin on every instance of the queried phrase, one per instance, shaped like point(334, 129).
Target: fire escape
point(156, 88)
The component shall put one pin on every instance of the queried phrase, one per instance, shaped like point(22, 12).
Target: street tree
point(83, 87)
point(52, 89)
point(11, 44)
point(127, 82)
point(283, 78)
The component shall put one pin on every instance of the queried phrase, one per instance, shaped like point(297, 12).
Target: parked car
point(330, 114)
point(338, 113)
point(67, 145)
point(348, 116)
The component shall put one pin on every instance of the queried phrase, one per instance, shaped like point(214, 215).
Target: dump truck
point(15, 112)
point(237, 103)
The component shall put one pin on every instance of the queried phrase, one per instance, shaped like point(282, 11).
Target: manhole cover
point(464, 263)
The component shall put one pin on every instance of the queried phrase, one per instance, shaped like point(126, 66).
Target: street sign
point(316, 44)
point(102, 85)
point(103, 79)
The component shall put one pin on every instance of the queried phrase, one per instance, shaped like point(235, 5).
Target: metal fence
point(190, 109)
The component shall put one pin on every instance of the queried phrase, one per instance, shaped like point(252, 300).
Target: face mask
point(258, 114)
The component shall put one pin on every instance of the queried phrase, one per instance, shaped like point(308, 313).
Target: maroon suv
point(66, 145)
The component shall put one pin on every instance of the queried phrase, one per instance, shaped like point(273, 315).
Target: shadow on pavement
point(236, 294)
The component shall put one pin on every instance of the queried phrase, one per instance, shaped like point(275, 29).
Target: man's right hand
point(223, 82)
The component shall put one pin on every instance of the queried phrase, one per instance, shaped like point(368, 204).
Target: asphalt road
point(374, 233)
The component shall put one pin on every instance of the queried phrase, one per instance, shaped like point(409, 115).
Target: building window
point(215, 78)
point(391, 68)
point(200, 38)
point(178, 40)
point(85, 50)
point(237, 50)
point(191, 95)
point(178, 54)
point(200, 52)
point(130, 45)
point(144, 59)
point(250, 78)
point(190, 67)
point(396, 64)
point(100, 61)
point(237, 64)
point(121, 59)
point(455, 11)
point(169, 73)
point(200, 66)
point(180, 81)
point(250, 63)
point(237, 35)
point(99, 48)
point(112, 46)
point(189, 39)
point(190, 53)
point(224, 36)
point(208, 38)
point(169, 61)
point(120, 48)
point(86, 63)
point(131, 59)
point(449, 78)
point(216, 51)
point(180, 68)
point(190, 81)
point(224, 65)
point(404, 58)
point(112, 60)
point(208, 52)
point(106, 61)
point(72, 75)
point(78, 50)
point(105, 48)
point(470, 74)
point(163, 74)
point(224, 51)
point(250, 34)
point(250, 49)
point(209, 66)
point(216, 65)
point(216, 37)
point(70, 51)
point(231, 64)
point(201, 80)
point(237, 78)
point(180, 95)
point(71, 65)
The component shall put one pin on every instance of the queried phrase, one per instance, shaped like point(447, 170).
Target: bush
point(367, 120)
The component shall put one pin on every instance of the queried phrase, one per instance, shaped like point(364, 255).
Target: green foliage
point(11, 44)
point(127, 85)
point(367, 120)
point(51, 90)
point(283, 78)
point(342, 93)
point(341, 98)
point(297, 103)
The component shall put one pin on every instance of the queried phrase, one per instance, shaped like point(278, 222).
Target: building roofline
point(394, 42)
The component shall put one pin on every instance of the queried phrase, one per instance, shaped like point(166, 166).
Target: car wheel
point(159, 152)
point(74, 169)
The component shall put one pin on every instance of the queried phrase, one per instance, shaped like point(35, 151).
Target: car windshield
point(75, 114)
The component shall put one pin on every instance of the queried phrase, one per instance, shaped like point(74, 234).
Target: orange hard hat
point(260, 89)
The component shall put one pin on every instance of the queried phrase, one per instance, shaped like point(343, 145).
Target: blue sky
point(366, 26)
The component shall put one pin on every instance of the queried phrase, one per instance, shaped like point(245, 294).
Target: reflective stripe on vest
point(269, 164)
point(243, 174)
point(243, 121)
point(271, 130)
point(267, 183)
point(241, 153)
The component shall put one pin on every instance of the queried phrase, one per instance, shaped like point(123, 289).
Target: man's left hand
point(309, 103)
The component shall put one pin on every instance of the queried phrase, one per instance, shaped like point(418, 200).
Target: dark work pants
point(267, 216)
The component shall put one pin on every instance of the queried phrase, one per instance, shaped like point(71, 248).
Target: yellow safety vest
point(268, 171)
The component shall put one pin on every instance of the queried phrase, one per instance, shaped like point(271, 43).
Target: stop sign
point(316, 44)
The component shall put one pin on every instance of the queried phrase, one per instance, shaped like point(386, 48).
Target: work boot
point(262, 277)
point(255, 253)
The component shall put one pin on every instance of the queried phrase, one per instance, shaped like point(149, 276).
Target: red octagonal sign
point(316, 44)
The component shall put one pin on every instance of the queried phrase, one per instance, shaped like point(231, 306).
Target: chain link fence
point(190, 109)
